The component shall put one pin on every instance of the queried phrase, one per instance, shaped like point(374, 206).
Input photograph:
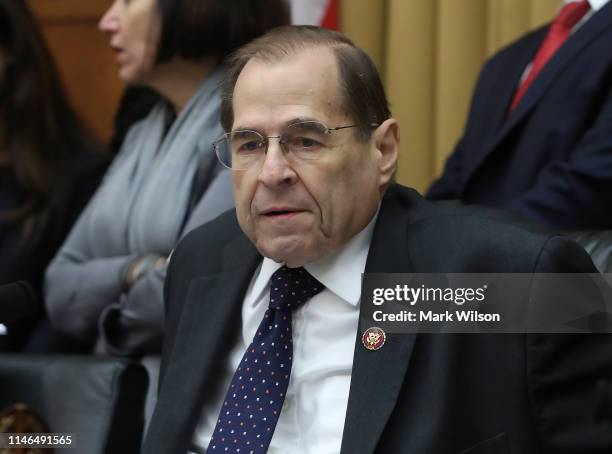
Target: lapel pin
point(373, 338)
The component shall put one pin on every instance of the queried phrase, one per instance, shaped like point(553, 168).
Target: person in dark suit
point(538, 145)
point(263, 350)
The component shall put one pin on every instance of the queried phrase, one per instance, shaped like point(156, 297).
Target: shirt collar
point(340, 273)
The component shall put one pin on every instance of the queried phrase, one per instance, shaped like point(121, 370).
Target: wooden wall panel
point(85, 62)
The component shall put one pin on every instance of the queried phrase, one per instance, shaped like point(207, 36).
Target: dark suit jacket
point(419, 394)
point(550, 160)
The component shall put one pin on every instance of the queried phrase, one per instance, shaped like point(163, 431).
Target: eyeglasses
point(305, 140)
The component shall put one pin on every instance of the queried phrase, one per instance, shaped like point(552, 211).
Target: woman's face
point(134, 29)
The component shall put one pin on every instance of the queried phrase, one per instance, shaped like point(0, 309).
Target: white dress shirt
point(324, 333)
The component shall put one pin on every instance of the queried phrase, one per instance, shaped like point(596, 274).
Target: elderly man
point(263, 352)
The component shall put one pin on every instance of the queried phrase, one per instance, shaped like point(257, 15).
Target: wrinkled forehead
point(304, 85)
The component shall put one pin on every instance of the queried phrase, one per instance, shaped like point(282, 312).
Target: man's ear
point(386, 140)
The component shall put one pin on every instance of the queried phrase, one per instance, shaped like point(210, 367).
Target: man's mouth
point(280, 213)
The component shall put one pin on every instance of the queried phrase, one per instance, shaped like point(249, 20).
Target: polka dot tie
point(255, 397)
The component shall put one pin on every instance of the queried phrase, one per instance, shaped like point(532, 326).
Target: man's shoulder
point(225, 226)
point(513, 53)
point(522, 43)
point(448, 236)
point(450, 214)
point(205, 245)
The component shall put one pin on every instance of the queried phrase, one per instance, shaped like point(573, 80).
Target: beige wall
point(84, 59)
point(430, 53)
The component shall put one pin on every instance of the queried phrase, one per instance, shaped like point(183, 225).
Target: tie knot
point(571, 13)
point(291, 287)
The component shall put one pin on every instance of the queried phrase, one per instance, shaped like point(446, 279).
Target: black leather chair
point(598, 243)
point(100, 400)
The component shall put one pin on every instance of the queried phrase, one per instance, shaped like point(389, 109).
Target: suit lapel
point(201, 347)
point(377, 376)
point(596, 25)
point(510, 73)
point(503, 82)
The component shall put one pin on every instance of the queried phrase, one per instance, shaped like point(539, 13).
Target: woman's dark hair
point(193, 29)
point(38, 129)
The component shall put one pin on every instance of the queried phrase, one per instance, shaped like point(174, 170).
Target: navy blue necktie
point(255, 397)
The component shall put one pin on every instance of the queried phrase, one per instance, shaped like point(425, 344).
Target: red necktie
point(558, 32)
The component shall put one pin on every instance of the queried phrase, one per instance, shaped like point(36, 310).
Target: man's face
point(299, 211)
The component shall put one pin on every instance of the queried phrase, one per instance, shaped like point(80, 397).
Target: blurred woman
point(49, 167)
point(107, 278)
point(135, 104)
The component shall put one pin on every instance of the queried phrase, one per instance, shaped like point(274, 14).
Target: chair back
point(99, 400)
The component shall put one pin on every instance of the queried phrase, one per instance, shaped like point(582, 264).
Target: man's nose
point(277, 169)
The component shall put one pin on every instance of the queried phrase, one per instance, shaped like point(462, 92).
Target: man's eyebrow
point(301, 120)
point(242, 132)
point(243, 129)
point(285, 124)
